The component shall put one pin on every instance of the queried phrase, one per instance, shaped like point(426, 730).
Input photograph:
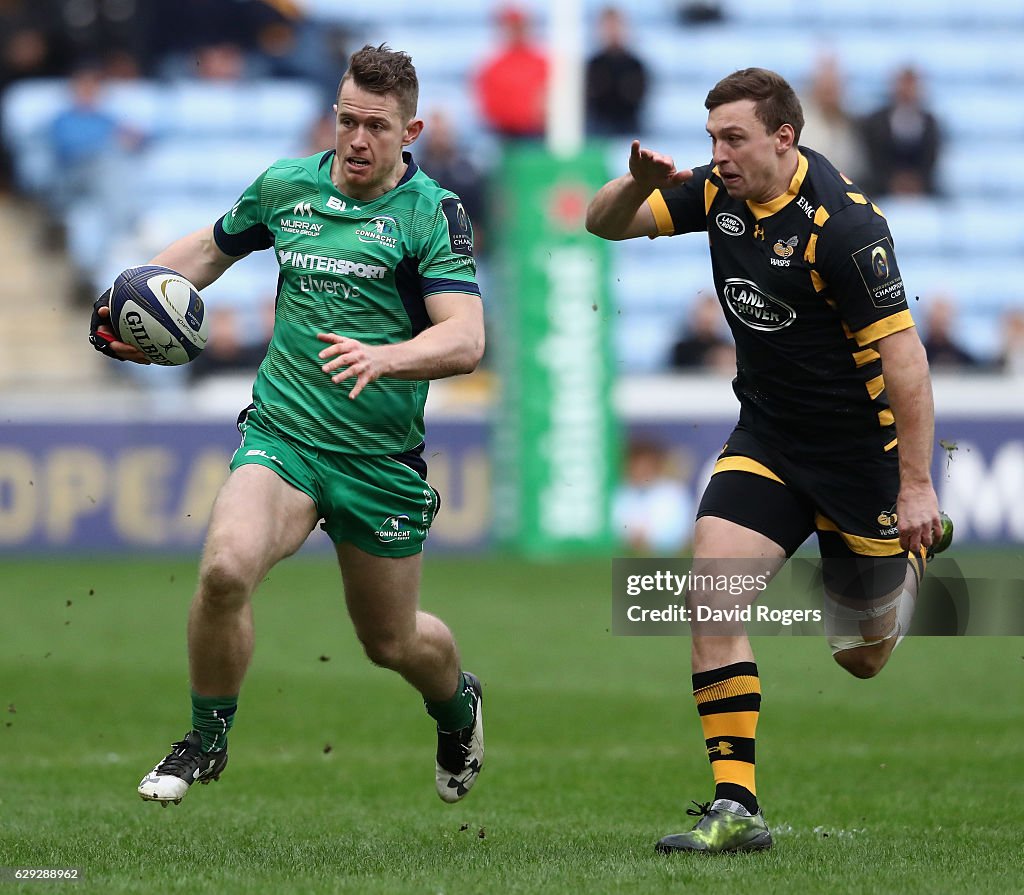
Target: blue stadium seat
point(678, 112)
point(28, 109)
point(968, 110)
point(285, 109)
point(983, 168)
point(191, 168)
point(644, 341)
point(953, 14)
point(919, 226)
point(208, 141)
point(983, 229)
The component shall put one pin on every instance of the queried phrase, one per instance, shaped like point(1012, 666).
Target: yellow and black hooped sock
point(729, 700)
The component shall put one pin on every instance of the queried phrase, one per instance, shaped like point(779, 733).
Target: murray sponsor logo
point(323, 264)
point(755, 308)
point(730, 224)
point(301, 227)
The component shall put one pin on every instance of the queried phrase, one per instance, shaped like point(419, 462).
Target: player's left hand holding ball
point(101, 334)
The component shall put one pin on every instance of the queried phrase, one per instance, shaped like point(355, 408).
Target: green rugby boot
point(724, 826)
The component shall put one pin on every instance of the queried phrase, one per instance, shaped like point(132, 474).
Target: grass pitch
point(910, 782)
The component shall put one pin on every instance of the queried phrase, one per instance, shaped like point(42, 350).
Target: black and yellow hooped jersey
point(808, 282)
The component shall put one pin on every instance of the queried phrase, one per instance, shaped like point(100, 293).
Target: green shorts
point(380, 503)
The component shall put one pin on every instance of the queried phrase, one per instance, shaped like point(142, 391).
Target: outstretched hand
point(653, 170)
point(345, 357)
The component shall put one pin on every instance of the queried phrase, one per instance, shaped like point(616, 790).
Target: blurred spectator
point(171, 36)
point(322, 136)
point(220, 62)
point(104, 29)
point(89, 145)
point(652, 511)
point(940, 341)
point(31, 42)
point(267, 30)
point(828, 127)
point(903, 142)
point(1011, 353)
point(703, 344)
point(616, 81)
point(439, 154)
point(302, 47)
point(84, 136)
point(233, 346)
point(700, 12)
point(511, 86)
point(121, 65)
point(30, 47)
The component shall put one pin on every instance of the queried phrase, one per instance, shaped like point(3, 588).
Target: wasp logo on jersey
point(754, 307)
point(880, 274)
point(784, 249)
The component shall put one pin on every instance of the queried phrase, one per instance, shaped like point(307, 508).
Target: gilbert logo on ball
point(159, 312)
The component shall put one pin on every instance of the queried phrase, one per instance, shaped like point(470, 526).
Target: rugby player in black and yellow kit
point(829, 369)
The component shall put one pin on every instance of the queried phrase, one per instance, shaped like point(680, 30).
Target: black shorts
point(848, 501)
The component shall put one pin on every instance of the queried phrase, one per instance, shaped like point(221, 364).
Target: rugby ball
point(159, 312)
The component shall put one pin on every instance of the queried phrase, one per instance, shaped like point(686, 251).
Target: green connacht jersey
point(358, 269)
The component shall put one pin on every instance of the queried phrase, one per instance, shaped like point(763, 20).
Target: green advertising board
point(555, 433)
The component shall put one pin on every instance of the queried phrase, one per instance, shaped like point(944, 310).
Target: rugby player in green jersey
point(377, 295)
point(829, 368)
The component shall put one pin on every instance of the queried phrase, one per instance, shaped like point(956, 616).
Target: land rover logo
point(755, 308)
point(730, 224)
